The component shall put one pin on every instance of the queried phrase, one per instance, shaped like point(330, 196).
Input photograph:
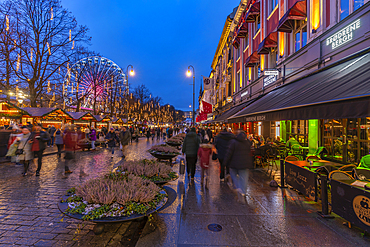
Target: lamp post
point(132, 73)
point(189, 74)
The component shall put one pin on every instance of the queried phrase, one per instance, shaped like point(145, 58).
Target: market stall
point(102, 121)
point(45, 116)
point(9, 114)
point(117, 122)
point(83, 119)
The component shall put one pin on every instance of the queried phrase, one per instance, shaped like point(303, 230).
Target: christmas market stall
point(117, 122)
point(102, 121)
point(10, 113)
point(46, 116)
point(83, 119)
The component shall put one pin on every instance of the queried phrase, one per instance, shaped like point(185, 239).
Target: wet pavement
point(272, 217)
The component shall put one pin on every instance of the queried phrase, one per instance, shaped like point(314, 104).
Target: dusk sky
point(159, 38)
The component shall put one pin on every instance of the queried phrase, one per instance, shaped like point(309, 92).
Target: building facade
point(275, 43)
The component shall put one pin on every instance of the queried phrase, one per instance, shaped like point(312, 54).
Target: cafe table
point(351, 201)
point(302, 176)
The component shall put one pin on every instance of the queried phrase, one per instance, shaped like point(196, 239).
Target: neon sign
point(343, 36)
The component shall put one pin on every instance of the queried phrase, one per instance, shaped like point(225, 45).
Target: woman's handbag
point(214, 156)
point(20, 151)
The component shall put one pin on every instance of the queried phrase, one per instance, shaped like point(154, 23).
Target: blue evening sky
point(159, 38)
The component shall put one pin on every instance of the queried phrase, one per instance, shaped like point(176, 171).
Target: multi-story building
point(299, 67)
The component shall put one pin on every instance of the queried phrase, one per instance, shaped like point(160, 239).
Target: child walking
point(204, 154)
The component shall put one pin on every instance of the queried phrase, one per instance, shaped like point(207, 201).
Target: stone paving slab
point(29, 215)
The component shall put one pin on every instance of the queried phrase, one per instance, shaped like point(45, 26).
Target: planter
point(174, 144)
point(98, 229)
point(163, 156)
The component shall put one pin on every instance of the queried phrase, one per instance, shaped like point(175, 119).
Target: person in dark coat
point(112, 138)
point(124, 136)
point(39, 140)
point(239, 160)
point(190, 149)
point(222, 141)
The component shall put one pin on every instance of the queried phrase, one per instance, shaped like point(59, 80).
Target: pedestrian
point(222, 141)
point(16, 132)
point(39, 140)
point(158, 133)
point(153, 133)
point(148, 134)
point(209, 134)
point(164, 132)
point(58, 136)
point(112, 138)
point(190, 149)
point(239, 160)
point(51, 131)
point(70, 141)
point(204, 155)
point(124, 137)
point(93, 138)
point(137, 133)
point(24, 152)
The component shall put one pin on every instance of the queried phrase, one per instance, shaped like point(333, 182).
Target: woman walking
point(204, 154)
point(58, 136)
point(24, 152)
point(190, 149)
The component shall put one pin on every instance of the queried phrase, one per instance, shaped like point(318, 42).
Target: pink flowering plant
point(106, 197)
point(163, 149)
point(148, 169)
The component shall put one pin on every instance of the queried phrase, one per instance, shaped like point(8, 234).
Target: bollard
point(324, 198)
point(282, 174)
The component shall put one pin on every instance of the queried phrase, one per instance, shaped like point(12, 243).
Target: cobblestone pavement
point(28, 205)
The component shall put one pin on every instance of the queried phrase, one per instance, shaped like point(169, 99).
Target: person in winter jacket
point(93, 138)
point(58, 136)
point(222, 141)
point(112, 138)
point(190, 149)
point(125, 137)
point(39, 140)
point(239, 160)
point(204, 154)
point(51, 131)
point(70, 141)
point(25, 145)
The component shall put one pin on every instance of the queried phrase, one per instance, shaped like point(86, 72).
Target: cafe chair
point(272, 156)
point(362, 174)
point(340, 175)
point(296, 149)
point(347, 168)
point(291, 158)
point(312, 157)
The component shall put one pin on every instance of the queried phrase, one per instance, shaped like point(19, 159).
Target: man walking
point(124, 137)
point(239, 160)
point(111, 137)
point(190, 149)
point(39, 140)
point(222, 141)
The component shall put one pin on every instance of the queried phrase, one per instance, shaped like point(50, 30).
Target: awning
point(236, 43)
point(233, 110)
point(339, 91)
point(242, 31)
point(252, 60)
point(297, 12)
point(269, 42)
point(253, 12)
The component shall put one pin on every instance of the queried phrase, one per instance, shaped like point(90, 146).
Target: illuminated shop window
point(258, 24)
point(272, 4)
point(315, 14)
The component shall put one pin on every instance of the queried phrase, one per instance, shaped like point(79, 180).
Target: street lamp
point(132, 73)
point(188, 73)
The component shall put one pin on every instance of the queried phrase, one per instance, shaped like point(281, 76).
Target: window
point(348, 6)
point(238, 53)
point(246, 42)
point(238, 78)
point(300, 35)
point(272, 4)
point(258, 24)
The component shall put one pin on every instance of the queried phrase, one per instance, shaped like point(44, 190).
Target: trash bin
point(182, 166)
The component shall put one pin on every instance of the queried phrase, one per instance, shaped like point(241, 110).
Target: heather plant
point(164, 148)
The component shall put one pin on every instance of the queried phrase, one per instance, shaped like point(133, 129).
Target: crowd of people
point(232, 150)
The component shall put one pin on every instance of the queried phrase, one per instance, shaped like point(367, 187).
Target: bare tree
point(46, 37)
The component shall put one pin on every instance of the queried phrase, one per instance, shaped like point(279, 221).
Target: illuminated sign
point(269, 79)
point(343, 36)
point(229, 99)
point(244, 94)
point(271, 72)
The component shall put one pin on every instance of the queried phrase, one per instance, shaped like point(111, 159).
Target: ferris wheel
point(94, 82)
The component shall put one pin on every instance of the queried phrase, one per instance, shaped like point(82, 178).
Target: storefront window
point(365, 129)
point(299, 129)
